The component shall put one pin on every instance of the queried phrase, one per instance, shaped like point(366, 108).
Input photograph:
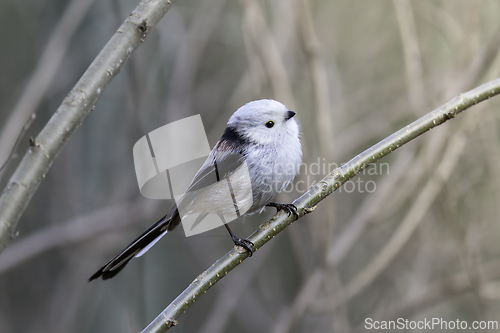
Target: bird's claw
point(244, 243)
point(289, 208)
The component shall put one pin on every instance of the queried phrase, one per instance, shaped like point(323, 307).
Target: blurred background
point(416, 236)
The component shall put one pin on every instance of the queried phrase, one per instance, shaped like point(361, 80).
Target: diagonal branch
point(307, 202)
point(79, 230)
point(73, 110)
point(42, 76)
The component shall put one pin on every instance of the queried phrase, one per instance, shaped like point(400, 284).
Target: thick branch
point(73, 110)
point(307, 202)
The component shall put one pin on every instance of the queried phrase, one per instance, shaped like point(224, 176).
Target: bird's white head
point(265, 122)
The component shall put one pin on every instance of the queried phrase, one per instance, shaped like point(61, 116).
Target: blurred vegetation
point(355, 71)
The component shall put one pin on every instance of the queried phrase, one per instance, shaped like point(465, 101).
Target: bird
point(258, 156)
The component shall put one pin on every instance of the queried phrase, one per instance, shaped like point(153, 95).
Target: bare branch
point(229, 297)
point(78, 230)
point(451, 286)
point(352, 232)
point(189, 55)
point(413, 62)
point(12, 155)
point(415, 215)
point(43, 74)
point(319, 78)
point(70, 114)
point(307, 202)
point(302, 300)
point(256, 25)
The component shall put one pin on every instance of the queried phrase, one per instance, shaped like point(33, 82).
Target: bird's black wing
point(227, 155)
point(224, 159)
point(115, 265)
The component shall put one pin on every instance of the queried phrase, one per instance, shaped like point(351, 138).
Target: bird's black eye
point(270, 124)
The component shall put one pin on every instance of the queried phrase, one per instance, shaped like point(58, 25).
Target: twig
point(77, 230)
point(325, 133)
point(350, 234)
point(255, 23)
point(70, 114)
point(435, 142)
point(413, 62)
point(454, 285)
point(411, 221)
point(307, 292)
point(442, 20)
point(189, 55)
point(307, 202)
point(12, 154)
point(229, 297)
point(42, 76)
point(319, 78)
point(492, 152)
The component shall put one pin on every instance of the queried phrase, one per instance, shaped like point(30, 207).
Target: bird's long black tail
point(150, 236)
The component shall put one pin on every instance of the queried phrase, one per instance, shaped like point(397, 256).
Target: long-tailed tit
point(258, 155)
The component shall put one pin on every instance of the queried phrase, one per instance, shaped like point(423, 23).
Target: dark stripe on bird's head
point(232, 138)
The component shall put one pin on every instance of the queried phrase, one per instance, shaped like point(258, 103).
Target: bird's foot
point(289, 208)
point(244, 243)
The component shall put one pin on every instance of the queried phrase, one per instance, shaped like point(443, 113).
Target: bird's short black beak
point(289, 115)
